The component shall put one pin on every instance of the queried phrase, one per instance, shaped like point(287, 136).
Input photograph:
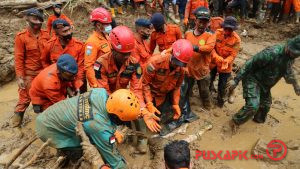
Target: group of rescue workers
point(129, 81)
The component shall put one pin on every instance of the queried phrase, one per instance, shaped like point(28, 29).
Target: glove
point(177, 112)
point(196, 48)
point(185, 21)
point(150, 120)
point(152, 108)
point(119, 136)
point(21, 83)
point(231, 85)
point(224, 65)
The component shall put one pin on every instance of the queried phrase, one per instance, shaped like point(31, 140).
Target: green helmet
point(202, 13)
point(293, 45)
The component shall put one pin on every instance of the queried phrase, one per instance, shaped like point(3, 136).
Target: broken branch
point(20, 151)
point(35, 156)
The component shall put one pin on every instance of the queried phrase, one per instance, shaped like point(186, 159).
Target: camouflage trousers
point(258, 102)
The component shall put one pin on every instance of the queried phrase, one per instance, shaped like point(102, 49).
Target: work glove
point(177, 112)
point(150, 120)
point(224, 65)
point(185, 21)
point(231, 85)
point(152, 108)
point(196, 48)
point(21, 83)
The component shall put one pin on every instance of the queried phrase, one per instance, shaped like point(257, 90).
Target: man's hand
point(177, 112)
point(152, 108)
point(21, 83)
point(224, 65)
point(231, 85)
point(151, 121)
point(185, 21)
point(120, 135)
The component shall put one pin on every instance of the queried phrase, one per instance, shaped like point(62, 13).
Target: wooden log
point(20, 151)
point(36, 155)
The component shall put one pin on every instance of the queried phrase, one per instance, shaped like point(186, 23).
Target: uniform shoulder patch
point(138, 70)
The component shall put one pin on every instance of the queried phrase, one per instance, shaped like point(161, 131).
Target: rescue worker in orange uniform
point(226, 49)
point(142, 51)
point(56, 15)
point(98, 43)
point(118, 69)
point(191, 6)
point(164, 35)
point(273, 9)
point(29, 44)
point(215, 23)
point(198, 67)
point(50, 86)
point(161, 81)
point(64, 43)
point(287, 8)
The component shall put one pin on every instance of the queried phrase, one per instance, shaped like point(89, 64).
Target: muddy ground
point(283, 120)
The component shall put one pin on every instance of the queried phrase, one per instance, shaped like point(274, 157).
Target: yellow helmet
point(124, 104)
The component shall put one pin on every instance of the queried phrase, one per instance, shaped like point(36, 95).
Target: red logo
point(275, 147)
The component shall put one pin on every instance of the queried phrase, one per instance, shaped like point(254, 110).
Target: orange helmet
point(124, 104)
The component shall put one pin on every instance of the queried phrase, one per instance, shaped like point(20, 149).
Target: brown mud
point(283, 120)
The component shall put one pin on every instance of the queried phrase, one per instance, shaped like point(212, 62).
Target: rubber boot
point(17, 119)
point(242, 116)
point(142, 146)
point(261, 115)
point(120, 10)
point(207, 104)
point(113, 14)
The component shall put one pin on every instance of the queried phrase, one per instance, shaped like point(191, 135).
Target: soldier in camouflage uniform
point(260, 74)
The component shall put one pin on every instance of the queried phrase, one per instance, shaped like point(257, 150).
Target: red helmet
point(122, 39)
point(101, 15)
point(182, 50)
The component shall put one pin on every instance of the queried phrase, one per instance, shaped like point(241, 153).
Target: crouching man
point(100, 114)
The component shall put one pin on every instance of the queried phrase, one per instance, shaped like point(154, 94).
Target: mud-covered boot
point(207, 104)
point(242, 116)
point(260, 117)
point(142, 146)
point(17, 119)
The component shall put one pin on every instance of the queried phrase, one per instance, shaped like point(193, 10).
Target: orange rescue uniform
point(47, 89)
point(215, 23)
point(225, 51)
point(191, 5)
point(166, 39)
point(289, 3)
point(52, 18)
point(96, 46)
point(75, 48)
point(198, 66)
point(27, 62)
point(111, 78)
point(141, 51)
point(158, 80)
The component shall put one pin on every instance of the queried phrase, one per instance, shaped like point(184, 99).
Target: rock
point(293, 144)
point(7, 71)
